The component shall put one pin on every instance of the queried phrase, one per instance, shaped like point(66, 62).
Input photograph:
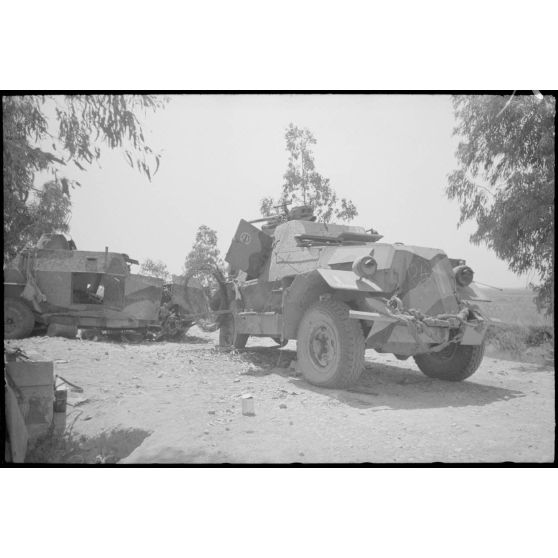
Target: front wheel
point(455, 363)
point(330, 345)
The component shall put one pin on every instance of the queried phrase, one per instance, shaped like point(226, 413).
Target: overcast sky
point(221, 154)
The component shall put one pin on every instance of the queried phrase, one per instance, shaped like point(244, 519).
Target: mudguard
point(347, 280)
point(472, 292)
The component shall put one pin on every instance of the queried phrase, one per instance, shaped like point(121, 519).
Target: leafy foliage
point(45, 134)
point(303, 185)
point(46, 211)
point(505, 180)
point(204, 252)
point(154, 268)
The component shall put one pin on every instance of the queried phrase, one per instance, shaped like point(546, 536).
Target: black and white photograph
point(278, 278)
point(260, 278)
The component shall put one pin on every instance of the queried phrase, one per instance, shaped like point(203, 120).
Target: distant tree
point(154, 268)
point(47, 133)
point(204, 252)
point(304, 185)
point(46, 212)
point(505, 180)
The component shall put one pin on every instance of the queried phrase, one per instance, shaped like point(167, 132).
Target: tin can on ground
point(60, 400)
point(59, 410)
point(59, 422)
point(248, 404)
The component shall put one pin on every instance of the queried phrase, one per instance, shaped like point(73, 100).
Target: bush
point(539, 335)
point(515, 339)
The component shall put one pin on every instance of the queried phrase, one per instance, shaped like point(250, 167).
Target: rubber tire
point(227, 331)
point(23, 317)
point(133, 337)
point(463, 364)
point(349, 361)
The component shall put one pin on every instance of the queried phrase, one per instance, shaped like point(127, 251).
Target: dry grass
point(514, 306)
point(522, 330)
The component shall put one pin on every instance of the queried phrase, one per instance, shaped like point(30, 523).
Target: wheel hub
point(322, 346)
point(9, 323)
point(447, 353)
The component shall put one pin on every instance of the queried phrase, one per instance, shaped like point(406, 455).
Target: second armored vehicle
point(54, 285)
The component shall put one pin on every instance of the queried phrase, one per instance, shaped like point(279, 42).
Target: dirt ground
point(181, 402)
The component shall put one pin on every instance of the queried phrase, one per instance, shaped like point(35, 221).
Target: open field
point(513, 306)
point(522, 333)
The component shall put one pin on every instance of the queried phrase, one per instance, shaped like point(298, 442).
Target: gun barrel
point(264, 219)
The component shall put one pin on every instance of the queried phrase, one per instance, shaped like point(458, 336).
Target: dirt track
point(180, 402)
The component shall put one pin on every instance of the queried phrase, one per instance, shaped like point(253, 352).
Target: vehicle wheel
point(18, 319)
point(228, 336)
point(330, 345)
point(91, 334)
point(133, 337)
point(69, 331)
point(455, 363)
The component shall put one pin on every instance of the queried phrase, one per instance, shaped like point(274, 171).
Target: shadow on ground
point(107, 447)
point(382, 386)
point(194, 339)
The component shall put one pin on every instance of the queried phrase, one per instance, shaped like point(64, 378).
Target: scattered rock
point(282, 406)
point(75, 402)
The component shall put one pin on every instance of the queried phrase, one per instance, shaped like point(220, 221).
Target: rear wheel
point(330, 345)
point(455, 363)
point(18, 319)
point(228, 335)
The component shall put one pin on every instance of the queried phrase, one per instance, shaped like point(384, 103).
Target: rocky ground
point(181, 402)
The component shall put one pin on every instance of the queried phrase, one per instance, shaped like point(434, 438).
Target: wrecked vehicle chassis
point(56, 286)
